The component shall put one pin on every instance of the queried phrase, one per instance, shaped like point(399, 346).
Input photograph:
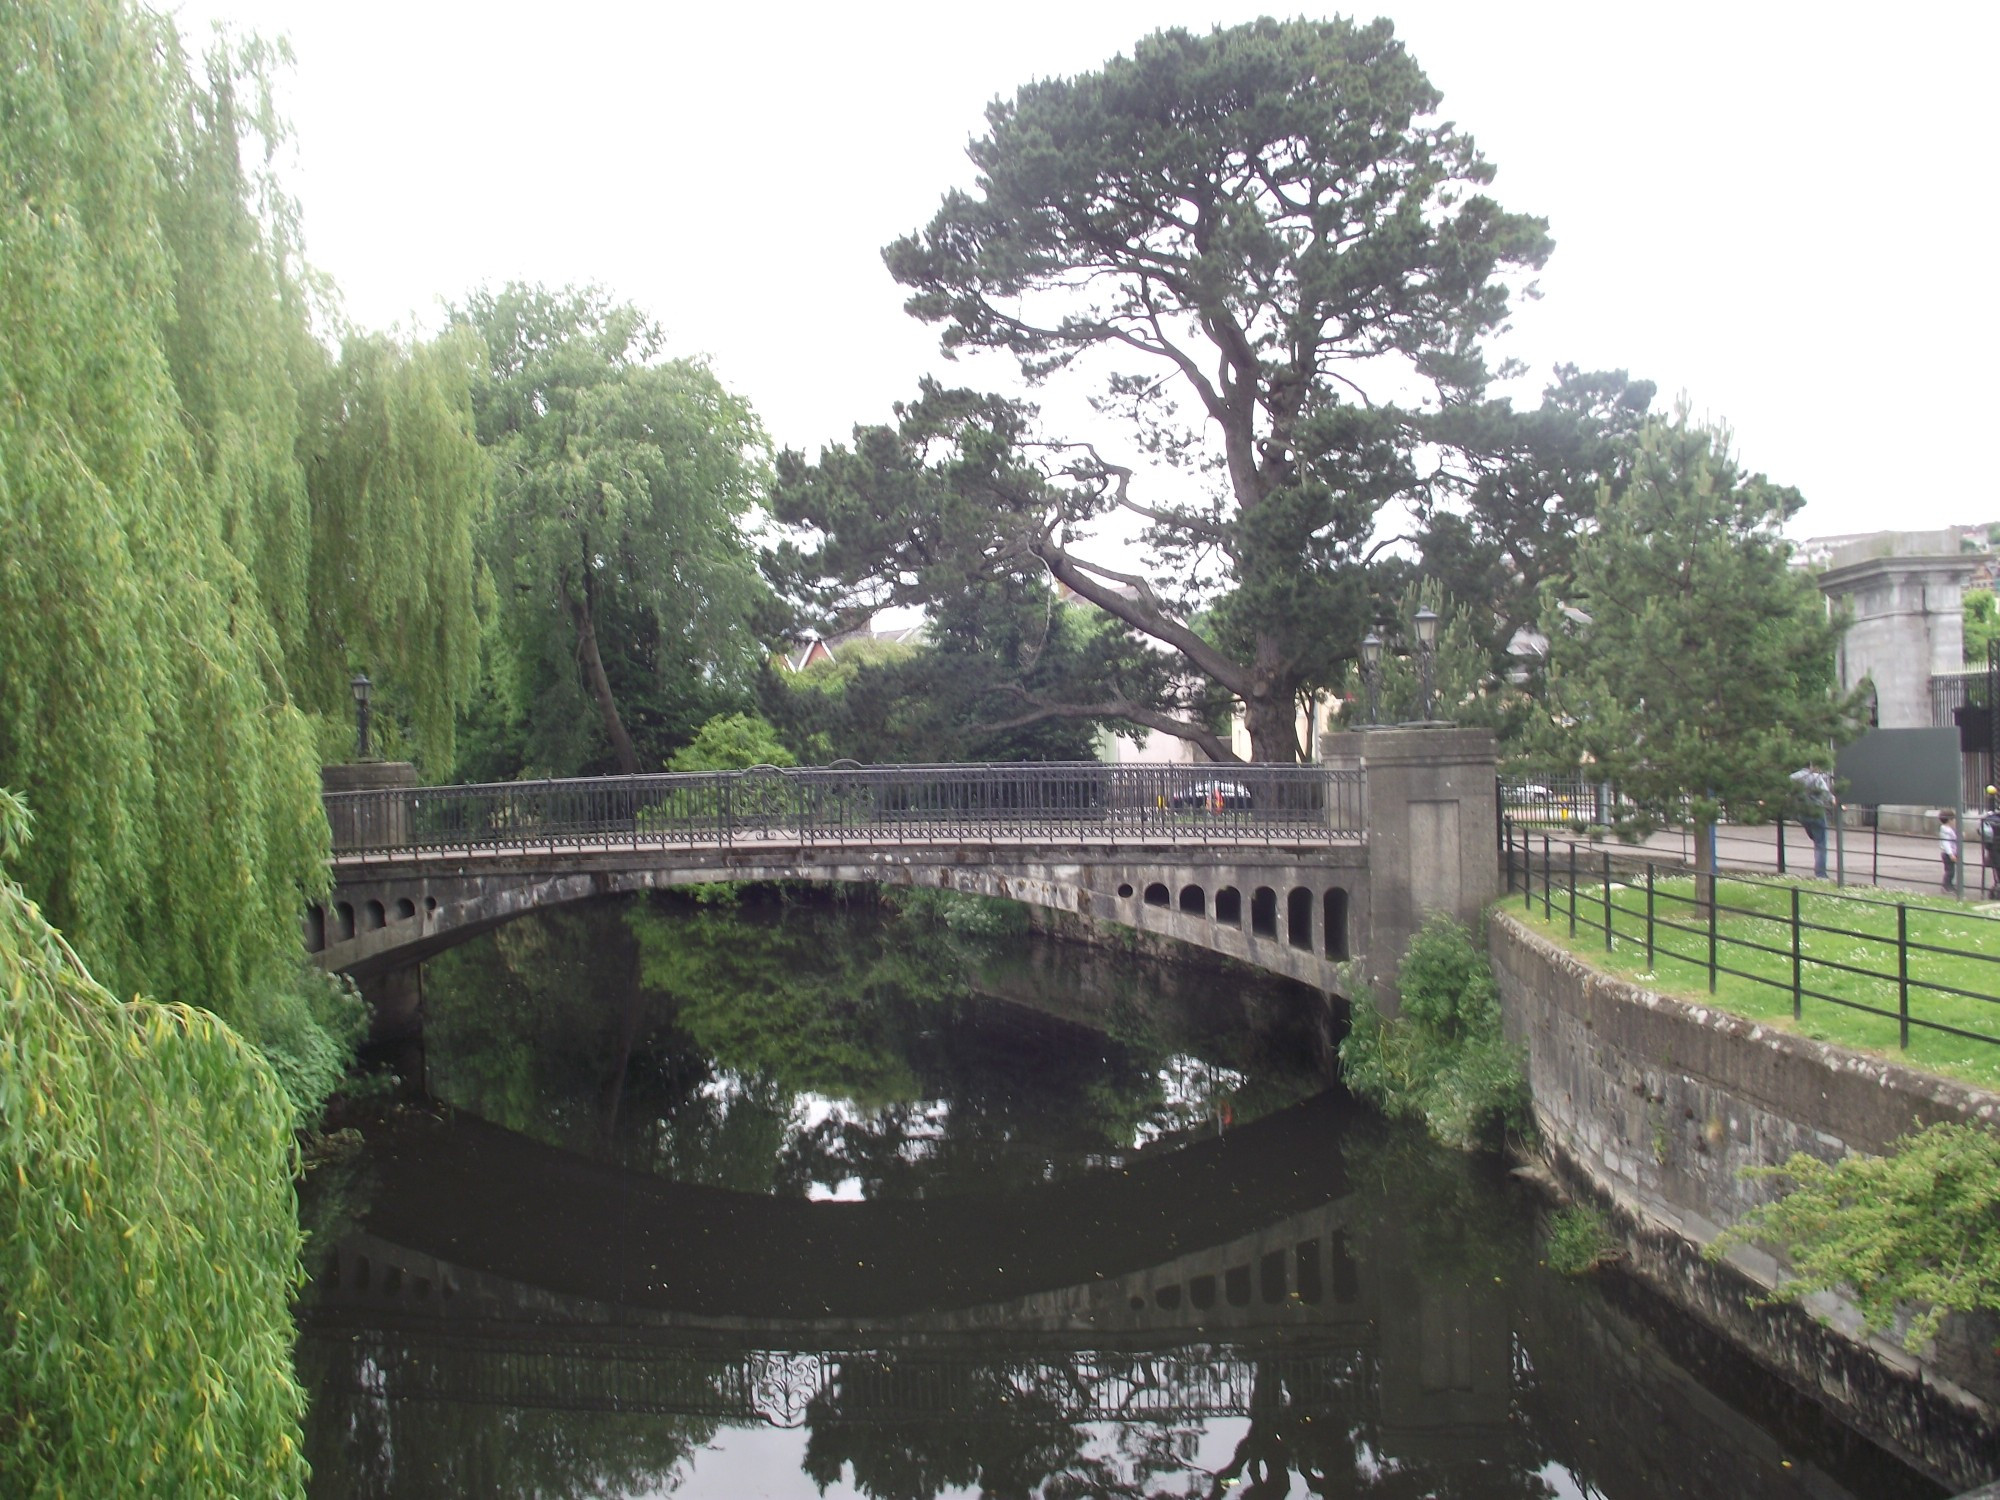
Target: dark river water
point(790, 1197)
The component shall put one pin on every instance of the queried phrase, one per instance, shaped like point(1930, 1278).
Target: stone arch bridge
point(1292, 869)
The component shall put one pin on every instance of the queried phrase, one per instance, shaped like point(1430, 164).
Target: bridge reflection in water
point(1380, 1338)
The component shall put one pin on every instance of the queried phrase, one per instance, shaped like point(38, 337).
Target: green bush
point(1579, 1242)
point(1918, 1228)
point(309, 1027)
point(1442, 1059)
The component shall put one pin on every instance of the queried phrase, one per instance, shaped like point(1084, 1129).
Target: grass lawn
point(1847, 957)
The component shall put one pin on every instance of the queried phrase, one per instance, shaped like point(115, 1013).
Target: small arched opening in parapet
point(1158, 895)
point(1299, 917)
point(315, 928)
point(1168, 1297)
point(430, 905)
point(1229, 906)
point(1264, 912)
point(1125, 891)
point(1335, 922)
point(1271, 1285)
point(405, 909)
point(343, 921)
point(1236, 1286)
point(1201, 1292)
point(1346, 1276)
point(1194, 901)
point(375, 915)
point(1310, 1287)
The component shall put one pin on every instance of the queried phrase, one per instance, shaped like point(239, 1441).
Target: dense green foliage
point(1982, 625)
point(147, 1237)
point(1002, 667)
point(615, 544)
point(732, 742)
point(1441, 1059)
point(1701, 673)
point(163, 643)
point(399, 487)
point(1917, 1229)
point(1267, 240)
point(1579, 1241)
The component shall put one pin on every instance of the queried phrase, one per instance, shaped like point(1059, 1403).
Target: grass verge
point(1851, 969)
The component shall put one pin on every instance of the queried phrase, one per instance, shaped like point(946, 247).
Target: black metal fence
point(1084, 802)
point(1910, 963)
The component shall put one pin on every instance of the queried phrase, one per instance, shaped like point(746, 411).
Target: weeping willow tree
point(143, 1145)
point(398, 485)
point(143, 704)
point(177, 600)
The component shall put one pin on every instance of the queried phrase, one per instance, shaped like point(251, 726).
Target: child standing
point(1948, 846)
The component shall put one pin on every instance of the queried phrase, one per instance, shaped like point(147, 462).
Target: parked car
point(1529, 794)
point(1213, 795)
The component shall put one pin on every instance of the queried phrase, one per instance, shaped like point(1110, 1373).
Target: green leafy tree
point(148, 1241)
point(1690, 663)
point(1264, 237)
point(732, 742)
point(1502, 518)
point(623, 486)
point(1982, 626)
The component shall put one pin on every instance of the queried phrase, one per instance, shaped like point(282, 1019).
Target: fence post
point(1649, 917)
point(1572, 888)
point(1799, 993)
point(1903, 975)
point(1548, 901)
point(1607, 900)
point(1714, 905)
point(1781, 846)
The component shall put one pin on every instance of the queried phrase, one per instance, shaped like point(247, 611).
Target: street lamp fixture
point(1371, 670)
point(362, 688)
point(1427, 637)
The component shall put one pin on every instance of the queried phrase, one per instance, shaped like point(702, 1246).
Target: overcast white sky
point(1782, 210)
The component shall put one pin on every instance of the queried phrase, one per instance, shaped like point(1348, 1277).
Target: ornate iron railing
point(1025, 802)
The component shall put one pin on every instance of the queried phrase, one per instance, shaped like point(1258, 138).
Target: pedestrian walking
point(1989, 841)
point(1948, 846)
point(1816, 793)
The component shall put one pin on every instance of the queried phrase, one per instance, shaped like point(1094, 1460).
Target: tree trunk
point(600, 685)
point(1273, 733)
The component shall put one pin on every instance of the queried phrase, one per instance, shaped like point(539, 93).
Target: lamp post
point(1371, 669)
point(1427, 639)
point(362, 687)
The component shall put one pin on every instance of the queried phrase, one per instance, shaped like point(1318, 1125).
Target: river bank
point(1653, 1107)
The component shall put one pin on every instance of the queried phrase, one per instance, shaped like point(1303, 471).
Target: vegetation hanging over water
point(171, 630)
point(1442, 1058)
point(143, 1144)
point(1918, 1228)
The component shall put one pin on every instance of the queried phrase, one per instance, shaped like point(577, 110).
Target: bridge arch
point(1188, 896)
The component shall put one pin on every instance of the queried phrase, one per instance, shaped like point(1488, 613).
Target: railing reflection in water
point(1026, 802)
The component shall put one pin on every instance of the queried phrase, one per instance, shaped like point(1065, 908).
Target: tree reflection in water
point(785, 1049)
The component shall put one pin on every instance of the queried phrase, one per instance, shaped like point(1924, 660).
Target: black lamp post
point(362, 687)
point(1371, 673)
point(1427, 639)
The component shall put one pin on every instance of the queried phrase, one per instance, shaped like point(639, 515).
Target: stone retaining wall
point(1653, 1107)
